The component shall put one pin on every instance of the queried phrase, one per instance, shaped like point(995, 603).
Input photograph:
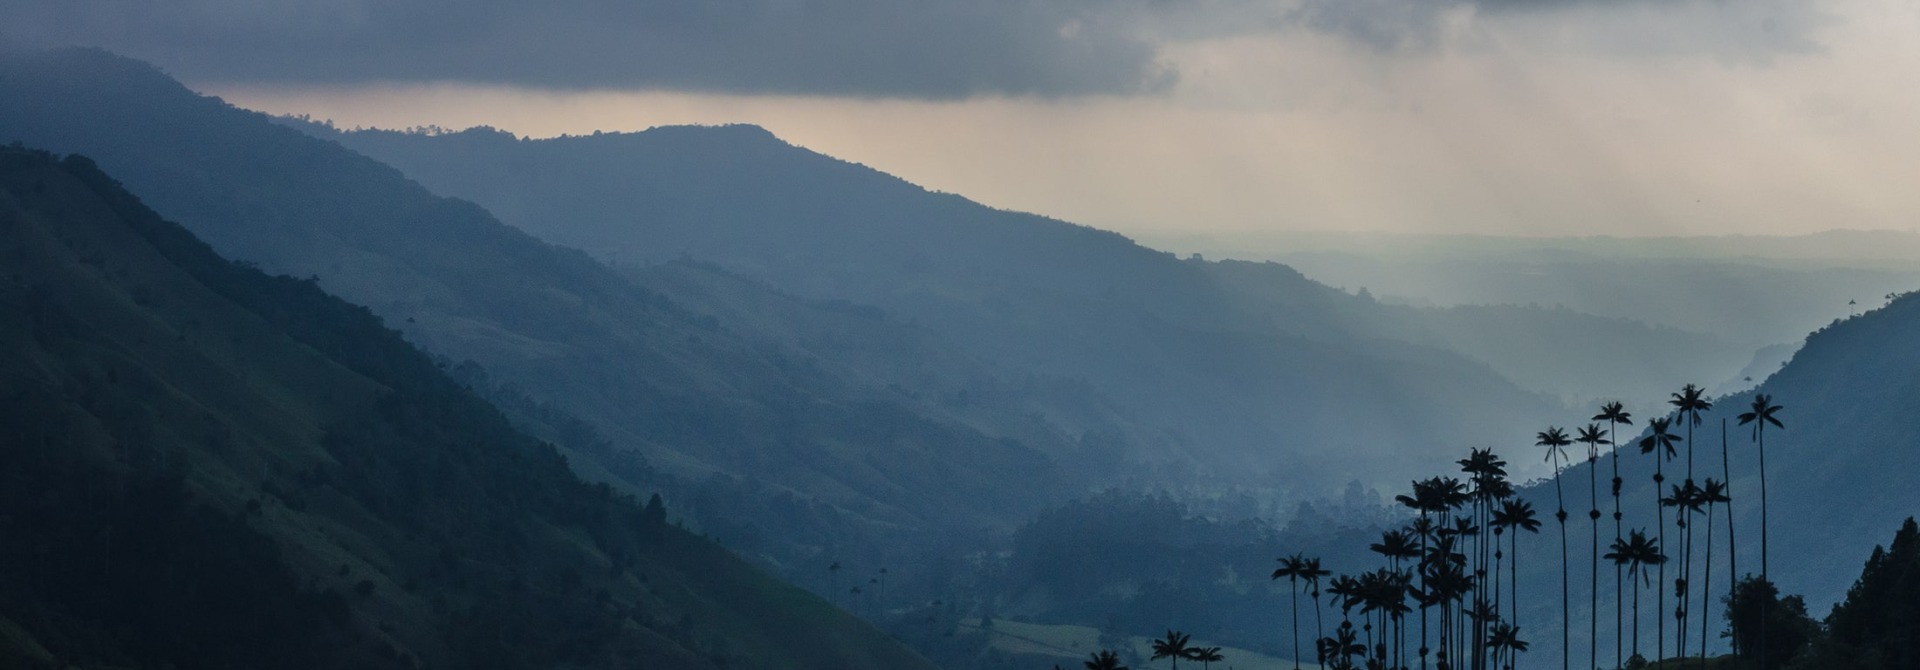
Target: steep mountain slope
point(1248, 393)
point(210, 467)
point(722, 412)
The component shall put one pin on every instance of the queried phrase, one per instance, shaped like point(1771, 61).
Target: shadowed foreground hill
point(211, 467)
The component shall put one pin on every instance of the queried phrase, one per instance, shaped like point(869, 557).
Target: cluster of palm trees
point(1176, 645)
point(1445, 564)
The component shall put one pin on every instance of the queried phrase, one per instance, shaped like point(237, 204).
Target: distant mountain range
point(822, 365)
point(1027, 293)
point(1750, 290)
point(212, 467)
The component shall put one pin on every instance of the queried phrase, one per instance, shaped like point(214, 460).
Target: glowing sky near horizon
point(1541, 123)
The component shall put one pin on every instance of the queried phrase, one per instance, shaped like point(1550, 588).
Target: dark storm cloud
point(891, 48)
point(912, 48)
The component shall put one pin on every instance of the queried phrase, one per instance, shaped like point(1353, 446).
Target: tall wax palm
point(1346, 593)
point(1636, 552)
point(1427, 499)
point(1616, 415)
point(1659, 442)
point(1488, 473)
point(1733, 551)
point(1311, 573)
point(1517, 515)
point(1175, 646)
point(1556, 441)
point(1505, 641)
point(1447, 583)
point(1467, 638)
point(1293, 568)
point(1103, 660)
point(1711, 494)
point(1396, 545)
point(1762, 413)
point(1685, 501)
point(1688, 403)
point(1592, 436)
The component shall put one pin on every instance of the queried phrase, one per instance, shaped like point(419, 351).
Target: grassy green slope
point(211, 467)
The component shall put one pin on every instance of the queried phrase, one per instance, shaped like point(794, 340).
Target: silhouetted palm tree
point(1616, 415)
point(1487, 472)
point(1447, 585)
point(1659, 442)
point(1292, 568)
point(1505, 641)
point(1311, 573)
point(1592, 436)
point(1713, 493)
point(1685, 499)
point(1555, 440)
point(1427, 499)
point(1174, 646)
point(1636, 552)
point(1207, 656)
point(1104, 660)
point(1343, 646)
point(1726, 472)
point(1762, 413)
point(1688, 403)
point(1396, 545)
point(1517, 515)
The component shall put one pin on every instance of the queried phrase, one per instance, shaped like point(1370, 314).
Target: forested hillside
point(212, 467)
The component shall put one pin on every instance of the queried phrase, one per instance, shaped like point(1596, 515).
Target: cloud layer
point(926, 49)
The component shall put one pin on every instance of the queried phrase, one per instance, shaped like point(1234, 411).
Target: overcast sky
point(1500, 116)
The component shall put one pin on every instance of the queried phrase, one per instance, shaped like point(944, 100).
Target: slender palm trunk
point(1496, 590)
point(1319, 630)
point(1660, 592)
point(1682, 611)
point(1706, 587)
point(1421, 568)
point(1481, 552)
point(1513, 581)
point(1636, 611)
point(1726, 473)
point(1566, 624)
point(1762, 439)
point(1760, 435)
point(1680, 596)
point(1593, 590)
point(1618, 581)
point(1295, 587)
